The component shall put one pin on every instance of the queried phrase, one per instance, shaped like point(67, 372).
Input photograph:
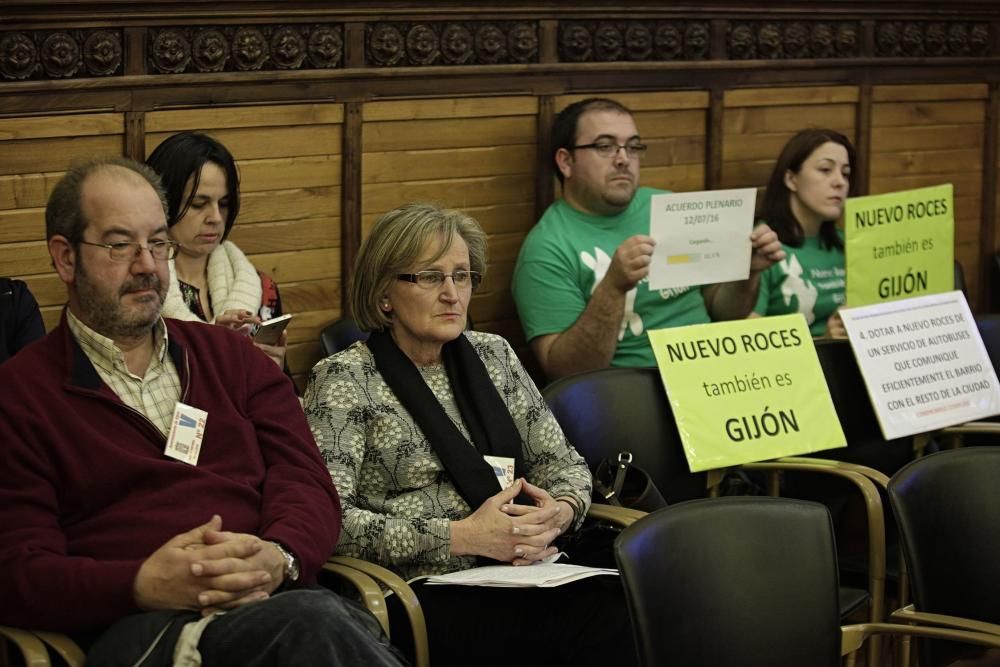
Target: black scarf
point(483, 411)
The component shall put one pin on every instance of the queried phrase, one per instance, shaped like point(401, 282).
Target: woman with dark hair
point(210, 279)
point(803, 201)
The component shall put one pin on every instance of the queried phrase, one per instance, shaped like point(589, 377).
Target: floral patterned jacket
point(397, 497)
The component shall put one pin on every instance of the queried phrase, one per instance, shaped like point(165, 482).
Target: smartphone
point(269, 332)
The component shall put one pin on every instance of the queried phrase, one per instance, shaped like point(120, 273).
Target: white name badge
point(503, 468)
point(187, 429)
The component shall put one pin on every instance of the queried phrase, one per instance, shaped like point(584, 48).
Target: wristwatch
point(291, 571)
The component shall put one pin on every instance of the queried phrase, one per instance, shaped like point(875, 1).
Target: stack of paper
point(542, 575)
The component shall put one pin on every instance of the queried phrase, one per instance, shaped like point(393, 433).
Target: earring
point(385, 304)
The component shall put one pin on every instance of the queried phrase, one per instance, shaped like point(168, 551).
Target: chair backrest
point(948, 517)
point(340, 335)
point(606, 411)
point(741, 581)
point(989, 330)
point(948, 520)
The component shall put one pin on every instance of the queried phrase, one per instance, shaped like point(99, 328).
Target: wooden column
point(544, 189)
point(987, 238)
point(354, 45)
point(863, 141)
point(135, 135)
point(548, 40)
point(135, 51)
point(714, 132)
point(350, 216)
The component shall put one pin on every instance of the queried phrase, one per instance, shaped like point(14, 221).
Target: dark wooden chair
point(743, 582)
point(947, 516)
point(606, 411)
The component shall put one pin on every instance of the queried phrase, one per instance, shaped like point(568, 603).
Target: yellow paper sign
point(899, 245)
point(746, 390)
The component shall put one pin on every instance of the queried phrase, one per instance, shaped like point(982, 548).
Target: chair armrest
point(853, 636)
point(619, 516)
point(371, 594)
point(66, 648)
point(873, 508)
point(987, 428)
point(881, 480)
point(910, 615)
point(409, 600)
point(878, 478)
point(953, 435)
point(876, 527)
point(31, 647)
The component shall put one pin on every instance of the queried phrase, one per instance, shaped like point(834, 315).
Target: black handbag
point(620, 482)
point(617, 481)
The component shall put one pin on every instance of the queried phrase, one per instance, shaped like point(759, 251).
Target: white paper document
point(924, 363)
point(540, 575)
point(701, 237)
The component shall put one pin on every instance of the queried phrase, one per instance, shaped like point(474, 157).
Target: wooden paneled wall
point(477, 155)
point(758, 122)
point(34, 153)
point(345, 117)
point(926, 135)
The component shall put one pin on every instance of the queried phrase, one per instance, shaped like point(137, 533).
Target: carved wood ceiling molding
point(199, 46)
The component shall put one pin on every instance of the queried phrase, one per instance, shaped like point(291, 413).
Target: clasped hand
point(208, 570)
point(517, 534)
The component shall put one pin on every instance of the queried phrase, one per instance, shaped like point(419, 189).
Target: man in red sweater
point(161, 491)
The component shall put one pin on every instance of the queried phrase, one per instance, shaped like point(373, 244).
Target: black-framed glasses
point(129, 251)
point(433, 279)
point(608, 149)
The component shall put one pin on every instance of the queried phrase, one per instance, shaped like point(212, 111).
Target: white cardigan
point(233, 283)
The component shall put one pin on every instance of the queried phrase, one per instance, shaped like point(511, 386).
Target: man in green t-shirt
point(581, 278)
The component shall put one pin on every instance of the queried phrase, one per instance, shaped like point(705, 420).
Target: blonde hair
point(396, 242)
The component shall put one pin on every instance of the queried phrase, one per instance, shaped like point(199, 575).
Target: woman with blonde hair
point(446, 456)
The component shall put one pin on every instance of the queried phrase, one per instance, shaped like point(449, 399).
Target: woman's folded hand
point(493, 533)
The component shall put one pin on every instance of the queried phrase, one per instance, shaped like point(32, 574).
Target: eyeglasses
point(129, 251)
point(434, 279)
point(608, 149)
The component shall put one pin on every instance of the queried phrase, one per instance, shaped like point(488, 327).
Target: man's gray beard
point(105, 315)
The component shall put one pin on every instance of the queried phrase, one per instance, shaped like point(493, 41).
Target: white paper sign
point(923, 362)
point(701, 237)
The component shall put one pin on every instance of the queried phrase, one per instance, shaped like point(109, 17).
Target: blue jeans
point(298, 628)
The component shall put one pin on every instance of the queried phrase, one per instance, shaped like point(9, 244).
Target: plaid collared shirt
point(155, 394)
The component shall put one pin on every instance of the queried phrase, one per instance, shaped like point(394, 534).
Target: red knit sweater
point(86, 493)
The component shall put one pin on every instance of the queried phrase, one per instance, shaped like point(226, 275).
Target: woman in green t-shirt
point(803, 201)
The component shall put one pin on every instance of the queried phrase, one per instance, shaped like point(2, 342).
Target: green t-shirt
point(810, 280)
point(564, 257)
